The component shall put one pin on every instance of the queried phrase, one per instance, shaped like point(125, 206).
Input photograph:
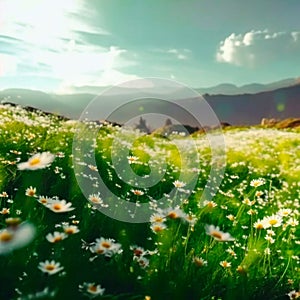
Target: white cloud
point(178, 53)
point(258, 47)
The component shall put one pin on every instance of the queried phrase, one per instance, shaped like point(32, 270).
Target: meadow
point(57, 242)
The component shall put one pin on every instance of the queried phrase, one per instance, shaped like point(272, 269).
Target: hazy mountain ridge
point(242, 109)
point(253, 88)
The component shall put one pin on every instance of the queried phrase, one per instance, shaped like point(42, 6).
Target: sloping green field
point(233, 234)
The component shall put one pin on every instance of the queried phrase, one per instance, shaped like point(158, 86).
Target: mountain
point(253, 88)
point(241, 109)
point(249, 109)
point(66, 105)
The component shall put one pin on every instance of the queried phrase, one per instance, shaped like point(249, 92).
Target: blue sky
point(61, 46)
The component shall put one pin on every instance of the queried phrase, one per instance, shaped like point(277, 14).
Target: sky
point(63, 46)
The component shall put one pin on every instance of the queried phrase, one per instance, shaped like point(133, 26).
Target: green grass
point(181, 261)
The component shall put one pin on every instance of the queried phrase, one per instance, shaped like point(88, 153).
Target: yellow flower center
point(6, 236)
point(106, 245)
point(92, 288)
point(50, 267)
point(137, 252)
point(259, 226)
point(57, 239)
point(216, 234)
point(31, 193)
point(57, 206)
point(198, 262)
point(34, 161)
point(273, 222)
point(69, 230)
point(95, 200)
point(172, 215)
point(157, 228)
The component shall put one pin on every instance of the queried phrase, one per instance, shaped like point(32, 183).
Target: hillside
point(93, 210)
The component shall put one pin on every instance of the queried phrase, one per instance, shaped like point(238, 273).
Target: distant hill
point(66, 105)
point(249, 109)
point(253, 88)
point(242, 109)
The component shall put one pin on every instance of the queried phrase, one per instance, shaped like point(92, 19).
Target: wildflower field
point(58, 242)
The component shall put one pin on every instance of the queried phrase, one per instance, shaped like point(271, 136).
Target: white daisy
point(272, 221)
point(257, 182)
point(70, 229)
point(30, 192)
point(199, 261)
point(157, 227)
point(55, 237)
point(60, 206)
point(50, 267)
point(225, 264)
point(91, 289)
point(44, 200)
point(95, 198)
point(217, 234)
point(132, 159)
point(179, 184)
point(107, 247)
point(37, 161)
point(16, 237)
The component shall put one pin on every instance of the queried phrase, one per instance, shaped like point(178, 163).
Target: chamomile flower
point(30, 192)
point(157, 218)
point(179, 184)
point(230, 217)
point(284, 212)
point(95, 199)
point(55, 237)
point(217, 234)
point(272, 221)
point(138, 251)
point(225, 264)
point(44, 200)
point(132, 159)
point(294, 294)
point(107, 247)
point(70, 229)
point(5, 211)
point(137, 192)
point(269, 239)
point(257, 182)
point(50, 267)
point(37, 161)
point(142, 261)
point(16, 236)
point(292, 222)
point(174, 213)
point(91, 290)
point(158, 227)
point(199, 261)
point(60, 206)
point(210, 204)
point(259, 225)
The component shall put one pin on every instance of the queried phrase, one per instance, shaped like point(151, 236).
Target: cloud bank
point(258, 47)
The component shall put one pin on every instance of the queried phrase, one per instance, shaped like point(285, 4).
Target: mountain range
point(237, 109)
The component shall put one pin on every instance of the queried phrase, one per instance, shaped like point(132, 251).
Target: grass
point(176, 254)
